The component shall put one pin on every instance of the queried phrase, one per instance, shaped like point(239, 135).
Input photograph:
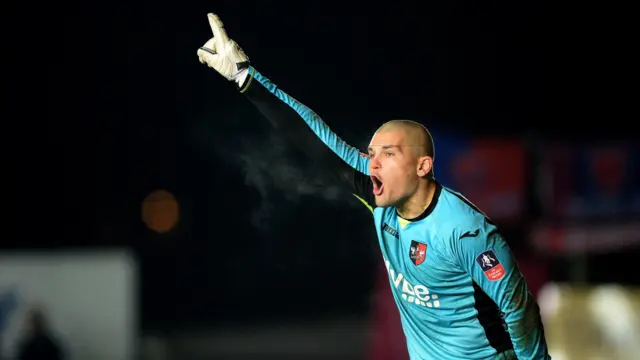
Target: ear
point(425, 166)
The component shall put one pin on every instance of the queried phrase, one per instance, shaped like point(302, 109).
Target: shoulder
point(458, 218)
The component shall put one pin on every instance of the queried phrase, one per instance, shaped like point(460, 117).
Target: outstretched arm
point(299, 124)
point(306, 131)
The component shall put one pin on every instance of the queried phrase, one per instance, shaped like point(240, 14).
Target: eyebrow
point(386, 147)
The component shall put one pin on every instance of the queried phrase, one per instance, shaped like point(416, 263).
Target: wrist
point(240, 78)
point(243, 79)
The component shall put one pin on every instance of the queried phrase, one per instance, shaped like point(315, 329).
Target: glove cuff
point(243, 79)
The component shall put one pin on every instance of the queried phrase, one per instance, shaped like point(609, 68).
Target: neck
point(418, 202)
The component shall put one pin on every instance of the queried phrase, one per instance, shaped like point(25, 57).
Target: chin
point(384, 202)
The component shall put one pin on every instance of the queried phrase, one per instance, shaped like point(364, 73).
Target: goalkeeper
point(457, 287)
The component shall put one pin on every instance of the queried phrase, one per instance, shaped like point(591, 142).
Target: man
point(451, 273)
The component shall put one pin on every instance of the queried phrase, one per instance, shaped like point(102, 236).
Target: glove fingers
point(210, 46)
point(203, 50)
point(208, 49)
point(208, 58)
point(219, 33)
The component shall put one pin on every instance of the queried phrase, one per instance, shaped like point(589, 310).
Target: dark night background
point(107, 101)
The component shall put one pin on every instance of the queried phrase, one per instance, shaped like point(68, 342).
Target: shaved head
point(416, 136)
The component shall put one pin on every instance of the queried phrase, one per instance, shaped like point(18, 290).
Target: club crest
point(417, 252)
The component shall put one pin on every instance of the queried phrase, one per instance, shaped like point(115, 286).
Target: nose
point(374, 162)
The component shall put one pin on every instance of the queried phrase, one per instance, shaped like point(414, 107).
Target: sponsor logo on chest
point(416, 294)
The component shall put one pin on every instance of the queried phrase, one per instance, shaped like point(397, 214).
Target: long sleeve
point(305, 130)
point(485, 255)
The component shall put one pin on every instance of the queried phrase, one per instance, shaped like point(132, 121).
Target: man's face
point(393, 168)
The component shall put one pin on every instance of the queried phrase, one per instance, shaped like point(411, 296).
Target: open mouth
point(377, 185)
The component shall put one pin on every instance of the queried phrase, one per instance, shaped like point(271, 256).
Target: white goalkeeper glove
point(223, 54)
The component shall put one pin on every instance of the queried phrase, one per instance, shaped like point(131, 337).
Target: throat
point(420, 204)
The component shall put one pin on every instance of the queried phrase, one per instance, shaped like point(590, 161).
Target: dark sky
point(107, 101)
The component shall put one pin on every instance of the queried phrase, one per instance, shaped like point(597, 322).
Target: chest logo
point(417, 252)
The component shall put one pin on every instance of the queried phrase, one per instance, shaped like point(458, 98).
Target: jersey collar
point(429, 209)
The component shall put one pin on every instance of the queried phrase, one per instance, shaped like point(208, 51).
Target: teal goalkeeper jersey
point(455, 282)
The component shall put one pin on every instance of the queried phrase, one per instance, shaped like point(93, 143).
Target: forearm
point(522, 316)
point(305, 130)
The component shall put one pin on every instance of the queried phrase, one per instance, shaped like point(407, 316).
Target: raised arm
point(306, 131)
point(299, 124)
